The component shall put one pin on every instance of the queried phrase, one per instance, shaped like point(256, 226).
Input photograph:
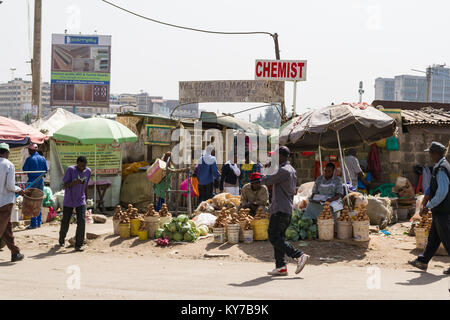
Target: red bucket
point(32, 202)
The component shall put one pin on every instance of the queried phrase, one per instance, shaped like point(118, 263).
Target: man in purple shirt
point(75, 181)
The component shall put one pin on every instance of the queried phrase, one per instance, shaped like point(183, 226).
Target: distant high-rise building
point(414, 88)
point(15, 98)
point(384, 89)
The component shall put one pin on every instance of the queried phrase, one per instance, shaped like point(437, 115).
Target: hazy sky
point(344, 42)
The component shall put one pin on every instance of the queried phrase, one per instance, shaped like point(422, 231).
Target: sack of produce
point(380, 211)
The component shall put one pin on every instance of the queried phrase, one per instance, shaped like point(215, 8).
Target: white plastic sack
point(304, 192)
point(204, 206)
point(416, 216)
point(206, 219)
point(88, 216)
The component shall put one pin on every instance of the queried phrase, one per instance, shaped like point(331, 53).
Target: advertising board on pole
point(80, 70)
point(231, 91)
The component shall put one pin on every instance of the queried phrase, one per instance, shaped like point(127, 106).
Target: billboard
point(80, 70)
point(282, 70)
point(231, 91)
point(109, 156)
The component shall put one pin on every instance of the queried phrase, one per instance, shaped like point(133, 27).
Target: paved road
point(47, 276)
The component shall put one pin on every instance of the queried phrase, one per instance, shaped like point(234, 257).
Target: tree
point(271, 118)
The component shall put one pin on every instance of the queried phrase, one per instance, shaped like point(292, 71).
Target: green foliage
point(271, 118)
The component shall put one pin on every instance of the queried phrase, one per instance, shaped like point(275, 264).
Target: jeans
point(81, 225)
point(37, 221)
point(278, 224)
point(205, 191)
point(439, 232)
point(159, 204)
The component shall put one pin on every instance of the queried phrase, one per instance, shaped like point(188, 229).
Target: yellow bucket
point(135, 223)
point(142, 235)
point(124, 230)
point(260, 228)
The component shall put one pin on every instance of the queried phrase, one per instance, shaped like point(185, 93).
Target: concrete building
point(413, 88)
point(384, 89)
point(127, 99)
point(143, 102)
point(410, 88)
point(15, 98)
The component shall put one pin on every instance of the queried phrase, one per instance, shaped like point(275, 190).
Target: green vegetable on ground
point(178, 236)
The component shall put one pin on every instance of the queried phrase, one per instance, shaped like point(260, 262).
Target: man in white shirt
point(354, 170)
point(8, 190)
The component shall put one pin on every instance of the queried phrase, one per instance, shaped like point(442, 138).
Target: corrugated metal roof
point(426, 116)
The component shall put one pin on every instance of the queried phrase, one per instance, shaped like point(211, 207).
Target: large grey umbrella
point(354, 124)
point(336, 127)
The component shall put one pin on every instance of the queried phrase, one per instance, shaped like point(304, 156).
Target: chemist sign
point(281, 70)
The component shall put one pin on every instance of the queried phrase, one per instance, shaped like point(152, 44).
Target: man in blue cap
point(439, 204)
point(35, 162)
point(284, 183)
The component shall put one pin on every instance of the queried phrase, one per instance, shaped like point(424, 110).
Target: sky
point(344, 42)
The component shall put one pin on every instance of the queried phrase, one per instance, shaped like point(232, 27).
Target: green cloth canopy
point(95, 131)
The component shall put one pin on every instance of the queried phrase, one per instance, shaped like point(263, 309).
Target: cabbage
point(167, 234)
point(177, 236)
point(291, 234)
point(172, 227)
point(196, 232)
point(204, 230)
point(179, 225)
point(192, 223)
point(185, 227)
point(158, 233)
point(190, 236)
point(182, 218)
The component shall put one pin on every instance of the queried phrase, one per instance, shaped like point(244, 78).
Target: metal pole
point(343, 167)
point(36, 64)
point(428, 83)
point(189, 203)
point(294, 104)
point(95, 181)
point(320, 160)
point(277, 56)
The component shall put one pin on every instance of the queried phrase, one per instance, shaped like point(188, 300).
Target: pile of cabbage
point(181, 229)
point(300, 227)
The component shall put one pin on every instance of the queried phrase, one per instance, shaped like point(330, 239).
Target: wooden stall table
point(102, 186)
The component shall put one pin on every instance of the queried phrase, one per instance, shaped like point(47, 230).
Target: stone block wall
point(393, 163)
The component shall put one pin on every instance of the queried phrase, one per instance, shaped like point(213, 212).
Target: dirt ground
point(391, 251)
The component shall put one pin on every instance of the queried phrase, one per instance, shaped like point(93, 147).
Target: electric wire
point(188, 28)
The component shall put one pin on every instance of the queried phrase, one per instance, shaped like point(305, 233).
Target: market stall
point(100, 141)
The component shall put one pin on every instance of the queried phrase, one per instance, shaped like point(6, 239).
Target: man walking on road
point(8, 190)
point(284, 183)
point(75, 181)
point(440, 207)
point(35, 162)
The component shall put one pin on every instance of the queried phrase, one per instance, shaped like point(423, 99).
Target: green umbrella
point(95, 131)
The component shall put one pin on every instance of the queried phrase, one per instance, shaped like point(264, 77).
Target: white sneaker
point(301, 262)
point(278, 272)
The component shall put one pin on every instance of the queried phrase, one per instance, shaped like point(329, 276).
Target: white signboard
point(281, 70)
